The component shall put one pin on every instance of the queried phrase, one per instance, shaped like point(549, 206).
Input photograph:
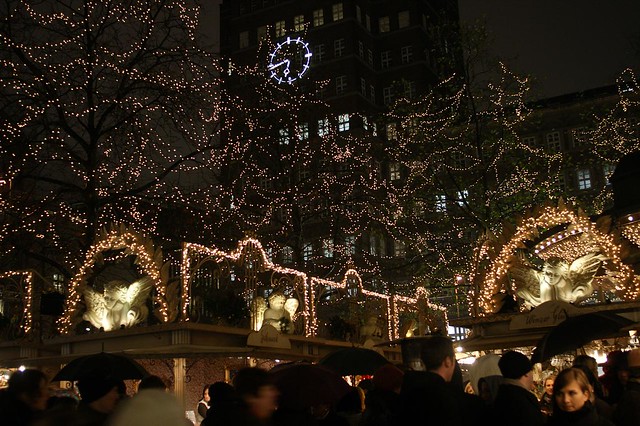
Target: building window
point(399, 248)
point(553, 141)
point(387, 95)
point(404, 19)
point(372, 94)
point(383, 24)
point(304, 173)
point(370, 56)
point(318, 54)
point(327, 248)
point(392, 133)
point(376, 245)
point(338, 13)
point(363, 87)
point(394, 171)
point(287, 254)
point(298, 23)
point(462, 197)
point(530, 141)
point(261, 32)
point(608, 170)
point(343, 122)
point(341, 84)
point(307, 252)
point(323, 127)
point(303, 131)
point(580, 136)
point(283, 137)
point(584, 179)
point(358, 14)
point(374, 129)
point(350, 243)
point(406, 52)
point(561, 183)
point(280, 28)
point(365, 123)
point(318, 17)
point(385, 59)
point(441, 203)
point(265, 183)
point(338, 47)
point(244, 39)
point(409, 89)
point(58, 283)
point(361, 49)
point(367, 22)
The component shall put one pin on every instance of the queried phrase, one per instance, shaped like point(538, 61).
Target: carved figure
point(280, 312)
point(120, 304)
point(558, 280)
point(370, 329)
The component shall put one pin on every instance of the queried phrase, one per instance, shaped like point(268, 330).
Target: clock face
point(289, 60)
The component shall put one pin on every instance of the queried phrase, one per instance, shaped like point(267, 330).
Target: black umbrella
point(304, 385)
point(354, 361)
point(117, 367)
point(575, 332)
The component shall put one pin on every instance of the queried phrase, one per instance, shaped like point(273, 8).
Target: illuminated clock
point(289, 60)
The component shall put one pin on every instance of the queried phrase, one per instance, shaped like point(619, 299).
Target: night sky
point(566, 45)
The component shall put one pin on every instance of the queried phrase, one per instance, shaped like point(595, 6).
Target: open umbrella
point(305, 385)
point(577, 331)
point(354, 361)
point(114, 366)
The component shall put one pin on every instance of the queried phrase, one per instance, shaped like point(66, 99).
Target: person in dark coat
point(25, 398)
point(99, 397)
point(382, 401)
point(572, 405)
point(627, 412)
point(515, 404)
point(426, 396)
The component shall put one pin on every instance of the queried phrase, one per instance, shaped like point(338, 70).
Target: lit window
point(374, 129)
point(318, 17)
point(462, 197)
point(398, 248)
point(407, 53)
point(343, 122)
point(394, 171)
point(584, 179)
point(341, 84)
point(303, 131)
point(244, 39)
point(384, 24)
point(338, 47)
point(387, 95)
point(553, 141)
point(363, 87)
point(327, 247)
point(318, 54)
point(307, 252)
point(350, 243)
point(298, 23)
point(404, 19)
point(261, 32)
point(323, 127)
point(608, 170)
point(441, 203)
point(392, 133)
point(287, 254)
point(365, 123)
point(385, 59)
point(58, 283)
point(338, 13)
point(280, 28)
point(283, 137)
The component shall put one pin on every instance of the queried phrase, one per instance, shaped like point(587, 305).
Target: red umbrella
point(305, 385)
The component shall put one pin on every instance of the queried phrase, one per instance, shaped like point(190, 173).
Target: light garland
point(27, 285)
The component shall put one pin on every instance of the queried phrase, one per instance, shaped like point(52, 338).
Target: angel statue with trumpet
point(120, 304)
point(279, 313)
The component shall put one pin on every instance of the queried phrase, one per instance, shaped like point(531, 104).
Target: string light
point(26, 322)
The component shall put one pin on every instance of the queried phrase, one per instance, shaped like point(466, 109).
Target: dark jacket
point(514, 405)
point(586, 416)
point(627, 412)
point(427, 399)
point(382, 408)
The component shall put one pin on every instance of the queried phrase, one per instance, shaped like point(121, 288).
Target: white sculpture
point(119, 305)
point(558, 280)
point(279, 313)
point(370, 329)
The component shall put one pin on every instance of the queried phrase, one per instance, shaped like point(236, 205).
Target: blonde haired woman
point(571, 401)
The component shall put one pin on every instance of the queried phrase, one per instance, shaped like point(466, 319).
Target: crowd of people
point(393, 396)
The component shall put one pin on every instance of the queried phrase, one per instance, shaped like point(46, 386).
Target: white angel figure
point(280, 313)
point(119, 305)
point(558, 280)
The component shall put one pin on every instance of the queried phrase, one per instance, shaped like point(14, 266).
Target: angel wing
point(96, 306)
point(582, 271)
point(527, 283)
point(136, 296)
point(291, 306)
point(258, 306)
